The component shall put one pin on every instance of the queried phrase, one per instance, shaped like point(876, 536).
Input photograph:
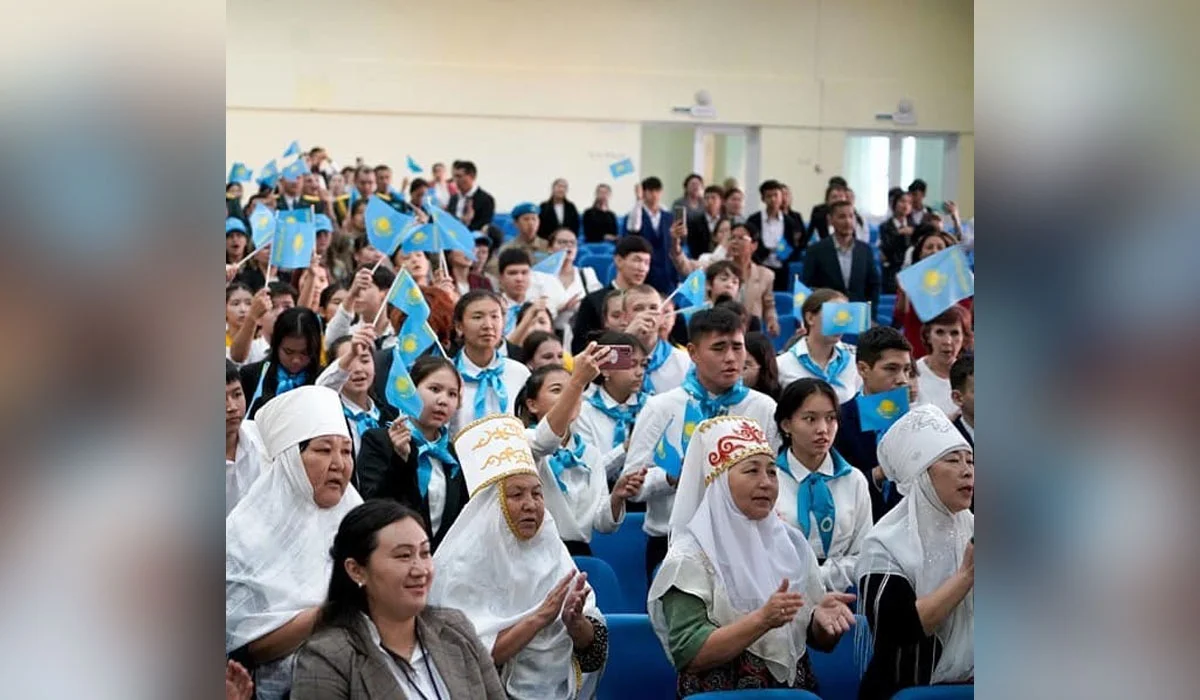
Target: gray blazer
point(344, 663)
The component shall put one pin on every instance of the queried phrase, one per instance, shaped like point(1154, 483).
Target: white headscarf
point(920, 539)
point(734, 564)
point(495, 578)
point(277, 538)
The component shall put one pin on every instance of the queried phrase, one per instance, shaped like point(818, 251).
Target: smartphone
point(681, 213)
point(619, 357)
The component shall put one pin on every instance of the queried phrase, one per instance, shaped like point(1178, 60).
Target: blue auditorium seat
point(603, 581)
point(838, 671)
point(787, 327)
point(778, 694)
point(602, 265)
point(602, 248)
point(783, 304)
point(937, 692)
point(638, 668)
point(625, 551)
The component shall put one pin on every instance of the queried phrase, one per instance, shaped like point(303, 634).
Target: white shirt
point(970, 428)
point(260, 347)
point(772, 230)
point(585, 505)
point(635, 218)
point(673, 371)
point(461, 205)
point(343, 323)
point(441, 194)
point(335, 378)
point(597, 430)
point(246, 466)
point(852, 519)
point(558, 212)
point(657, 493)
point(932, 389)
point(790, 370)
point(514, 376)
point(421, 681)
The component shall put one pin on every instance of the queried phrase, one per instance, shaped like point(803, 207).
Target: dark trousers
point(656, 551)
point(578, 549)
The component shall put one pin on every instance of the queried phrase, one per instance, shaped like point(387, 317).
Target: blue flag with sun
point(401, 392)
point(262, 226)
point(415, 338)
point(937, 282)
point(666, 456)
point(800, 294)
point(295, 238)
point(878, 411)
point(406, 295)
point(621, 168)
point(386, 227)
point(239, 173)
point(838, 318)
point(693, 288)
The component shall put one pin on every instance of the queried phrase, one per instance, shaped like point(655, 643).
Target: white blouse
point(790, 370)
point(673, 371)
point(932, 389)
point(514, 376)
point(852, 519)
point(597, 431)
point(585, 505)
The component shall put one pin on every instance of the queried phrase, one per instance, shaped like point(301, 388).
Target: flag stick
point(690, 308)
point(246, 259)
point(437, 342)
point(444, 265)
point(663, 305)
point(385, 301)
point(377, 263)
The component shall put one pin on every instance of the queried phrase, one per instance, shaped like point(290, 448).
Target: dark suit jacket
point(589, 318)
point(484, 206)
point(249, 376)
point(343, 662)
point(821, 269)
point(892, 246)
point(794, 232)
point(548, 221)
point(382, 474)
point(857, 447)
point(699, 237)
point(958, 423)
point(818, 222)
point(597, 224)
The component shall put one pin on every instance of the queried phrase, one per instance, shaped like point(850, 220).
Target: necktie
point(490, 379)
point(621, 415)
point(426, 450)
point(814, 498)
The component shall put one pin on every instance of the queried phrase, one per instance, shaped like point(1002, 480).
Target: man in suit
point(818, 221)
point(290, 195)
point(776, 227)
point(881, 358)
point(471, 204)
point(649, 221)
point(632, 260)
point(843, 262)
point(917, 192)
point(557, 212)
point(700, 226)
point(962, 393)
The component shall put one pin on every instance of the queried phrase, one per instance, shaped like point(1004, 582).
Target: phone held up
point(680, 213)
point(619, 357)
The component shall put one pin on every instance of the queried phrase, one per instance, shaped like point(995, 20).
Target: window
point(874, 163)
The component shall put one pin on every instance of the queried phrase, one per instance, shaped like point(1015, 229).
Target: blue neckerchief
point(837, 364)
point(658, 358)
point(490, 379)
point(362, 420)
point(813, 496)
point(426, 450)
point(286, 381)
point(510, 318)
point(622, 416)
point(566, 458)
point(701, 406)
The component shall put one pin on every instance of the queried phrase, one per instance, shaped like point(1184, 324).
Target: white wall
point(537, 89)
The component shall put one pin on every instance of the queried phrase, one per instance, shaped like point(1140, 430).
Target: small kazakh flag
point(693, 287)
point(800, 294)
point(691, 311)
point(938, 282)
point(262, 224)
point(295, 238)
point(385, 226)
point(415, 337)
point(293, 149)
point(240, 173)
point(783, 249)
point(838, 318)
point(401, 392)
point(268, 174)
point(551, 264)
point(406, 295)
point(412, 166)
point(451, 234)
point(667, 457)
point(878, 411)
point(621, 168)
point(296, 170)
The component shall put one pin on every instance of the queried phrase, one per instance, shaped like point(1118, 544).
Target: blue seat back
point(638, 668)
point(603, 248)
point(937, 692)
point(603, 581)
point(838, 671)
point(625, 551)
point(783, 304)
point(787, 327)
point(602, 265)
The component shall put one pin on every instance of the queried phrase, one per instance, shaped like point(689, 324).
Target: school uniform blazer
point(793, 232)
point(548, 221)
point(699, 237)
point(249, 376)
point(382, 474)
point(344, 662)
point(821, 269)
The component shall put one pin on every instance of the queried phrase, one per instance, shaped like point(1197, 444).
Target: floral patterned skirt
point(745, 672)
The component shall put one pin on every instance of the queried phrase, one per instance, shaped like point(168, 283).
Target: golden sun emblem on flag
point(689, 428)
point(298, 243)
point(933, 281)
point(291, 219)
point(383, 226)
point(842, 317)
point(798, 300)
point(414, 294)
point(662, 449)
point(887, 409)
point(419, 237)
point(410, 343)
point(403, 386)
point(262, 221)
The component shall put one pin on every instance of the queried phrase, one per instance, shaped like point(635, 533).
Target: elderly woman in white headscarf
point(277, 538)
point(739, 595)
point(916, 570)
point(503, 565)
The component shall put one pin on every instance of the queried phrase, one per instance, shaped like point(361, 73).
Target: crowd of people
point(401, 522)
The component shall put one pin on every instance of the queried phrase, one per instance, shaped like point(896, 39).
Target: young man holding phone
point(652, 223)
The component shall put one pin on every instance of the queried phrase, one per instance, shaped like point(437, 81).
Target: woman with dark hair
point(376, 633)
point(819, 492)
point(609, 411)
point(351, 372)
point(599, 223)
point(294, 359)
point(541, 348)
point(761, 373)
point(412, 460)
point(946, 336)
point(818, 355)
point(895, 235)
point(490, 380)
point(331, 297)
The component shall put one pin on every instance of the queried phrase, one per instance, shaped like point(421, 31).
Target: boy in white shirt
point(368, 292)
point(666, 365)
